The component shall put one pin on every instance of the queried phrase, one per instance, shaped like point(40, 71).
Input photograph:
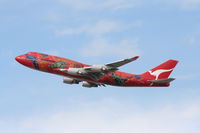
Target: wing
point(123, 62)
point(95, 72)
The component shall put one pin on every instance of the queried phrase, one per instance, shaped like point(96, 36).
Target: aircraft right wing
point(95, 72)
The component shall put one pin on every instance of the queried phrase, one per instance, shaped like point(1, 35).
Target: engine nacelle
point(102, 68)
point(67, 80)
point(89, 85)
point(99, 68)
point(75, 71)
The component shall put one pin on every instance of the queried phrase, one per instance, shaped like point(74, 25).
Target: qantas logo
point(158, 72)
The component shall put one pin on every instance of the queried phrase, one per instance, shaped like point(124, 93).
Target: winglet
point(135, 58)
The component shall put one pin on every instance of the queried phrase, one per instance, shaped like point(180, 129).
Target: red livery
point(98, 75)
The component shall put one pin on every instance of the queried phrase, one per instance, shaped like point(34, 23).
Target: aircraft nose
point(20, 58)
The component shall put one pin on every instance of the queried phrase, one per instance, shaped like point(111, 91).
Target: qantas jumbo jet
point(98, 75)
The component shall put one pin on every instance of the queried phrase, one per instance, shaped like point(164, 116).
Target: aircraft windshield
point(30, 57)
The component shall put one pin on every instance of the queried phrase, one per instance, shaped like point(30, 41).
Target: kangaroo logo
point(158, 72)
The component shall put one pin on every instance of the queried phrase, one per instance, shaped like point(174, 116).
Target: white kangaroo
point(158, 72)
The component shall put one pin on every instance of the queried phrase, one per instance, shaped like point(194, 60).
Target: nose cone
point(20, 59)
point(28, 61)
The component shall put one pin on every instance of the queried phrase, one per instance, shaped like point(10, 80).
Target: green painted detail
point(62, 64)
point(118, 79)
point(78, 65)
point(59, 64)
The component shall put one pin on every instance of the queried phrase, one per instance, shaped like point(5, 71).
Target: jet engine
point(67, 80)
point(75, 71)
point(102, 68)
point(89, 85)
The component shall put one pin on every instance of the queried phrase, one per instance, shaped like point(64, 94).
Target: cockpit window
point(30, 57)
point(33, 60)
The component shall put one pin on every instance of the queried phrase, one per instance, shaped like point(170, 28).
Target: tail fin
point(161, 72)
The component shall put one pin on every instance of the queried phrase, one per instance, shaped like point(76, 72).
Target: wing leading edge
point(123, 62)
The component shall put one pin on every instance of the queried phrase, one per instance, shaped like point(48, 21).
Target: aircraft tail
point(161, 72)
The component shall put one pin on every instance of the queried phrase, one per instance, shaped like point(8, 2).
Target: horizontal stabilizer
point(162, 81)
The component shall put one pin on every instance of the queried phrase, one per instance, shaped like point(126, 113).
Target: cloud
point(53, 16)
point(98, 28)
point(192, 40)
point(111, 116)
point(190, 4)
point(100, 5)
point(182, 4)
point(115, 5)
point(101, 47)
point(100, 44)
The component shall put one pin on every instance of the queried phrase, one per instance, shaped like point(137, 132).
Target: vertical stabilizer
point(162, 71)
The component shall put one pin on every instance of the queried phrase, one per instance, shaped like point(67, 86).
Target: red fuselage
point(53, 64)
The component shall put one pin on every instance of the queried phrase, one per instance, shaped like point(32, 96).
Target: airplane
point(98, 75)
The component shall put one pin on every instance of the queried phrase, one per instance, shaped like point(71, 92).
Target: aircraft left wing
point(123, 62)
point(111, 66)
